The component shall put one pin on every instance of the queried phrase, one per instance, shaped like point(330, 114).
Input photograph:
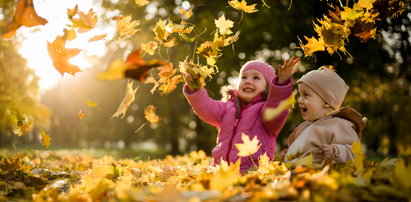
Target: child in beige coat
point(329, 130)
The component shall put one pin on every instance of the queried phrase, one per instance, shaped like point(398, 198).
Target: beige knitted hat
point(327, 84)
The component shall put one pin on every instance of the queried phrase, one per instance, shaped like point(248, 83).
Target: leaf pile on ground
point(49, 176)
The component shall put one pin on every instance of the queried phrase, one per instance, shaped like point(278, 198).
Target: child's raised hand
point(286, 70)
point(190, 82)
point(327, 151)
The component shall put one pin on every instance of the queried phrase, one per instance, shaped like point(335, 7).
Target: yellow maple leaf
point(224, 25)
point(70, 34)
point(367, 4)
point(197, 71)
point(85, 22)
point(149, 47)
point(163, 33)
point(313, 45)
point(125, 26)
point(306, 161)
point(150, 114)
point(45, 139)
point(141, 2)
point(242, 6)
point(127, 100)
point(248, 147)
point(270, 113)
point(81, 114)
point(225, 175)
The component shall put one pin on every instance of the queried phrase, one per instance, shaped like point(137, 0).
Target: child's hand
point(190, 82)
point(286, 71)
point(327, 151)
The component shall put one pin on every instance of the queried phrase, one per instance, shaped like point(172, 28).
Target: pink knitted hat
point(327, 84)
point(265, 69)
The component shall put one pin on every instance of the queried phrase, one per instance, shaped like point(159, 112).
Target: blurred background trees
point(378, 74)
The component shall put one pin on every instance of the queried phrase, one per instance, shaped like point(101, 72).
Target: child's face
point(252, 84)
point(312, 106)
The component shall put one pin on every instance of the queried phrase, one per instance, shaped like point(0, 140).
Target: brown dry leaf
point(24, 15)
point(61, 56)
point(150, 114)
point(127, 100)
point(137, 68)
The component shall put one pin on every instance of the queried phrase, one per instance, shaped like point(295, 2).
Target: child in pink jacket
point(259, 88)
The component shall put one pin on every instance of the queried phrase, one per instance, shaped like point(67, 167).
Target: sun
point(33, 45)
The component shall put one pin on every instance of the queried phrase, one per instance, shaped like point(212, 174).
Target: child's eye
point(243, 77)
point(257, 78)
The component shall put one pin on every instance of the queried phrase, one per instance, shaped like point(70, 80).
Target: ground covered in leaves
point(54, 176)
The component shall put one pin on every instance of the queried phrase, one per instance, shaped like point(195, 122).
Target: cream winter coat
point(340, 130)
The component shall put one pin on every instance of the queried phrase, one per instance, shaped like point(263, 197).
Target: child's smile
point(251, 85)
point(312, 106)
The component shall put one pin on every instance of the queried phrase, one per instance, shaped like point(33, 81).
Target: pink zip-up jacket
point(249, 120)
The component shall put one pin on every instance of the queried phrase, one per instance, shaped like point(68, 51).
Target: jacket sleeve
point(344, 136)
point(278, 92)
point(209, 110)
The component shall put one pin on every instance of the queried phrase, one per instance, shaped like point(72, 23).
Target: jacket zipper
point(230, 144)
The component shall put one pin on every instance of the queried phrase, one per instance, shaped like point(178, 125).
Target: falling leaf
point(72, 12)
point(187, 13)
point(81, 114)
point(127, 100)
point(149, 47)
point(248, 147)
point(358, 156)
point(163, 34)
point(85, 22)
point(91, 103)
point(70, 34)
point(97, 37)
point(141, 2)
point(137, 68)
point(150, 114)
point(271, 113)
point(24, 15)
point(313, 45)
point(125, 26)
point(115, 71)
point(242, 6)
point(61, 56)
point(134, 67)
point(45, 139)
point(224, 25)
point(197, 71)
point(23, 124)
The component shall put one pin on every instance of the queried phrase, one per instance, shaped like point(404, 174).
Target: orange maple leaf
point(137, 68)
point(25, 15)
point(61, 56)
